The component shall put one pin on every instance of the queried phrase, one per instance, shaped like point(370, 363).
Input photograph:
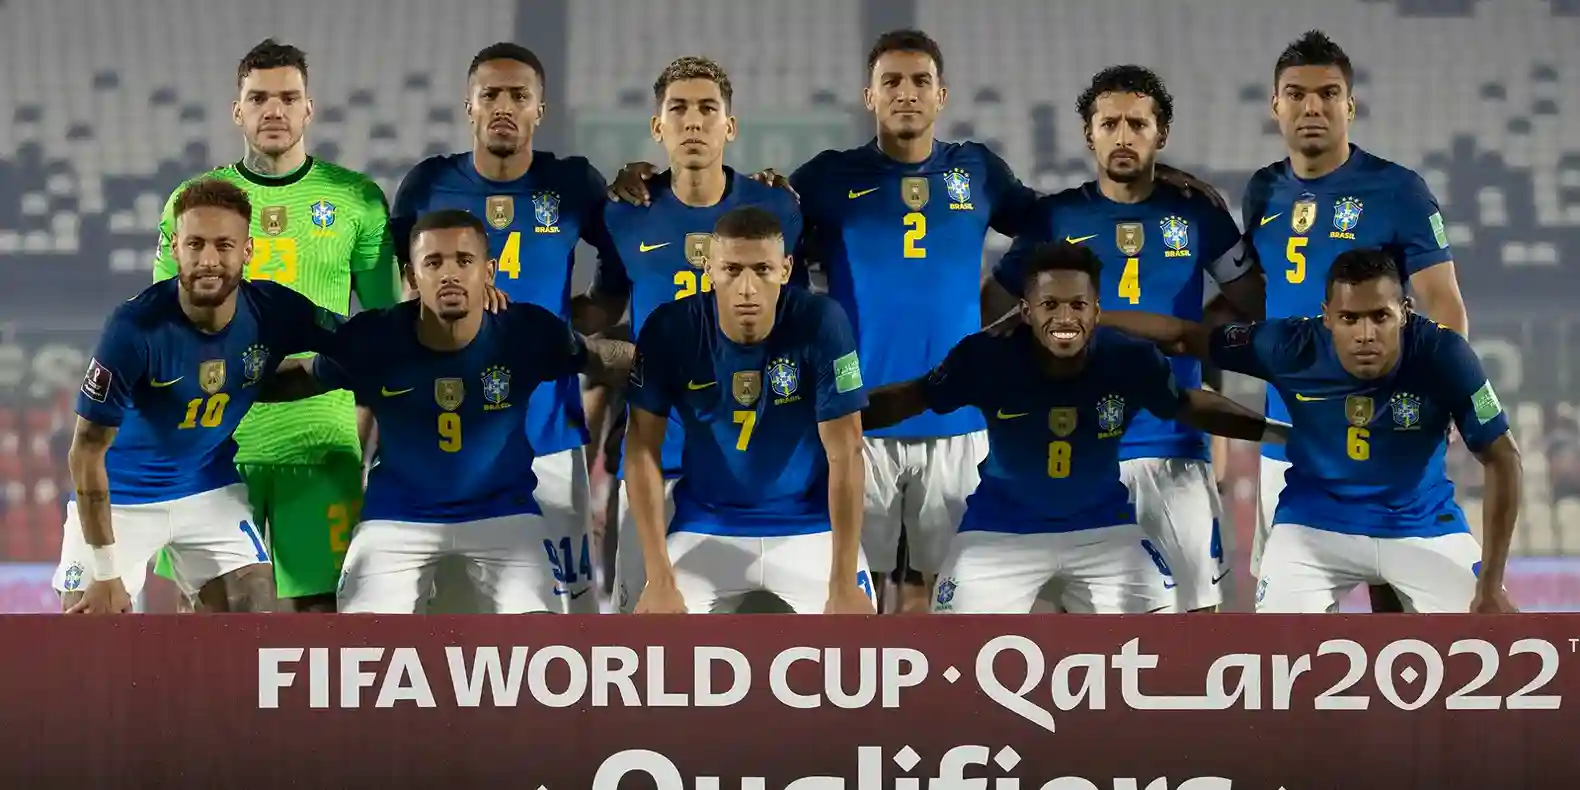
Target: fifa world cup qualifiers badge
point(96, 382)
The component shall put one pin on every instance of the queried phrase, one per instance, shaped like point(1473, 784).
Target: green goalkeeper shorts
point(307, 513)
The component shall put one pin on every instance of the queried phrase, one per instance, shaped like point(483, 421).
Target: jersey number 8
point(1357, 446)
point(213, 411)
point(1059, 459)
point(688, 281)
point(450, 432)
point(915, 231)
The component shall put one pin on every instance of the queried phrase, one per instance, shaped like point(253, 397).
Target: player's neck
point(699, 188)
point(742, 335)
point(210, 320)
point(1321, 164)
point(503, 168)
point(441, 334)
point(1122, 192)
point(274, 166)
point(911, 150)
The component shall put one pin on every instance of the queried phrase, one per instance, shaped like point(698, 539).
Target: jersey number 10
point(212, 411)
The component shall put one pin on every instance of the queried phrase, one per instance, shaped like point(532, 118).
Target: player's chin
point(502, 147)
point(209, 291)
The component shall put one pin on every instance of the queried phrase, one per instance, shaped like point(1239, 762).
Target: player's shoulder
point(436, 169)
point(809, 312)
point(755, 193)
point(528, 316)
point(1431, 339)
point(1119, 350)
point(270, 293)
point(227, 173)
point(677, 316)
point(958, 152)
point(826, 162)
point(150, 307)
point(1189, 205)
point(567, 171)
point(1373, 169)
point(355, 180)
point(1264, 181)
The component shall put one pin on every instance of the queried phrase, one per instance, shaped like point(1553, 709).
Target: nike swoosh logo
point(1220, 577)
point(692, 385)
point(389, 393)
point(650, 247)
point(1078, 240)
point(853, 194)
point(573, 594)
point(1003, 416)
point(1266, 220)
point(163, 384)
point(1308, 398)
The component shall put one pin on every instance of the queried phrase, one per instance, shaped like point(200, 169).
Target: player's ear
point(543, 111)
point(493, 268)
point(235, 113)
point(1351, 105)
point(784, 271)
point(655, 127)
point(307, 118)
point(408, 276)
point(730, 128)
point(246, 249)
point(1163, 137)
point(1272, 107)
point(1086, 131)
point(943, 96)
point(868, 100)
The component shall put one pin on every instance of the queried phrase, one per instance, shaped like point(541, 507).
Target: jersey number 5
point(1357, 445)
point(263, 266)
point(915, 231)
point(1297, 259)
point(687, 282)
point(748, 422)
point(450, 432)
point(1058, 459)
point(212, 408)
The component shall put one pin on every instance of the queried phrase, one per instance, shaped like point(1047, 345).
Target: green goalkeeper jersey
point(312, 231)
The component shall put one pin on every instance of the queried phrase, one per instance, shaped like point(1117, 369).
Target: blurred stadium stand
point(105, 107)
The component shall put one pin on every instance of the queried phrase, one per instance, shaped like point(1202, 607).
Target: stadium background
point(105, 107)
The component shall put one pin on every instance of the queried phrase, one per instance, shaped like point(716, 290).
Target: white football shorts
point(630, 575)
point(1177, 506)
point(715, 572)
point(1109, 570)
point(208, 534)
point(392, 566)
point(1307, 570)
point(1269, 487)
point(918, 486)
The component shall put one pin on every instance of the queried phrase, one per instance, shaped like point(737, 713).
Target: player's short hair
point(908, 40)
point(1139, 80)
point(446, 219)
point(1062, 257)
point(507, 50)
point(751, 223)
point(271, 54)
point(692, 67)
point(1314, 48)
point(213, 193)
point(1362, 265)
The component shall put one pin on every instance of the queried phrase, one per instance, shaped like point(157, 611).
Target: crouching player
point(1058, 394)
point(446, 381)
point(176, 369)
point(771, 485)
point(1372, 389)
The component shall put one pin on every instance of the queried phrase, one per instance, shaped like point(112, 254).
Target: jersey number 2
point(1130, 281)
point(1058, 459)
point(212, 408)
point(915, 231)
point(1357, 445)
point(450, 432)
point(1297, 259)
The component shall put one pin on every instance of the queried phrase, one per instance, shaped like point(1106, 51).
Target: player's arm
point(292, 380)
point(1174, 336)
point(1230, 260)
point(605, 303)
point(1159, 392)
point(608, 360)
point(90, 443)
point(410, 199)
point(1021, 214)
point(375, 277)
point(118, 363)
point(165, 266)
point(840, 399)
point(950, 386)
point(650, 396)
point(1428, 261)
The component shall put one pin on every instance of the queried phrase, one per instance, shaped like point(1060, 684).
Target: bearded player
point(321, 230)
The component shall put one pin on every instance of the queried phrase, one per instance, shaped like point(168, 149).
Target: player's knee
point(248, 589)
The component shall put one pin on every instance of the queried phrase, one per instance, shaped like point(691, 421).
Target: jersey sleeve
point(806, 181)
point(1014, 203)
point(1009, 270)
point(337, 371)
point(305, 327)
point(789, 213)
point(838, 374)
point(165, 266)
point(1155, 387)
point(1422, 239)
point(1225, 253)
point(1475, 407)
point(409, 199)
point(593, 229)
point(373, 256)
point(957, 381)
point(610, 276)
point(119, 362)
point(1254, 349)
point(1252, 207)
point(650, 385)
point(554, 350)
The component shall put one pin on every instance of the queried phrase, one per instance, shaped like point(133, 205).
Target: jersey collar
point(275, 181)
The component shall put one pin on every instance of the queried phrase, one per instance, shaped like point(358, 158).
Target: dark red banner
point(1228, 702)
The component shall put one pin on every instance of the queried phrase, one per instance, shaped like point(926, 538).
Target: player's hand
point(847, 598)
point(630, 184)
point(497, 300)
point(107, 597)
point(1189, 185)
point(772, 178)
point(660, 599)
point(1492, 601)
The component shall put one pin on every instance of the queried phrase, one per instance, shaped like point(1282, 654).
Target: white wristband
point(104, 563)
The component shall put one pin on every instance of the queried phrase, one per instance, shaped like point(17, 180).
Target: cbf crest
point(783, 378)
point(501, 210)
point(957, 183)
point(1110, 414)
point(746, 386)
point(913, 190)
point(1304, 214)
point(1359, 409)
point(699, 246)
point(449, 393)
point(1346, 215)
point(323, 214)
point(1061, 421)
point(496, 388)
point(1176, 236)
point(546, 210)
point(1406, 410)
point(211, 376)
point(254, 363)
point(1129, 237)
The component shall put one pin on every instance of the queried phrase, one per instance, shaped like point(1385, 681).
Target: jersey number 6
point(450, 432)
point(212, 408)
point(1357, 446)
point(915, 231)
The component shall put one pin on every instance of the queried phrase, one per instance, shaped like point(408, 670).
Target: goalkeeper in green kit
point(321, 230)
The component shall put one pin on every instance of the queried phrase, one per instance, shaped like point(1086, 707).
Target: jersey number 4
point(1130, 281)
point(208, 412)
point(915, 232)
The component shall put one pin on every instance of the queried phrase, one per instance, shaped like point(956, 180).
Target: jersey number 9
point(687, 283)
point(1130, 281)
point(1297, 259)
point(510, 258)
point(263, 264)
point(1058, 459)
point(1357, 445)
point(212, 408)
point(450, 432)
point(915, 231)
point(748, 422)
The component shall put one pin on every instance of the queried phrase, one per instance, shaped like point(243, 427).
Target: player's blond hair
point(692, 67)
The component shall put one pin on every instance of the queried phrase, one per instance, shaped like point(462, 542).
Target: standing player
point(445, 379)
point(1164, 245)
point(1373, 389)
point(536, 206)
point(153, 459)
point(661, 248)
point(1327, 197)
point(321, 230)
point(1059, 394)
point(770, 492)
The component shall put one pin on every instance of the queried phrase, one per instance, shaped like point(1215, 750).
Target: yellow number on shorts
point(1130, 281)
point(265, 251)
point(1058, 459)
point(748, 421)
point(1297, 259)
point(450, 432)
point(510, 257)
point(686, 283)
point(208, 412)
point(1359, 449)
point(916, 230)
point(342, 517)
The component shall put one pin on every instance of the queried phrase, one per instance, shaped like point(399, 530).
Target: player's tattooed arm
point(597, 310)
point(292, 380)
point(608, 360)
point(1174, 336)
point(1500, 509)
point(894, 403)
point(89, 444)
point(1219, 416)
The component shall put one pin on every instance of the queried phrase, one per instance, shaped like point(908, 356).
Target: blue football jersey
point(1053, 443)
point(1156, 255)
point(1367, 455)
point(177, 393)
point(902, 246)
point(1298, 226)
point(753, 463)
point(451, 447)
point(533, 224)
point(659, 251)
